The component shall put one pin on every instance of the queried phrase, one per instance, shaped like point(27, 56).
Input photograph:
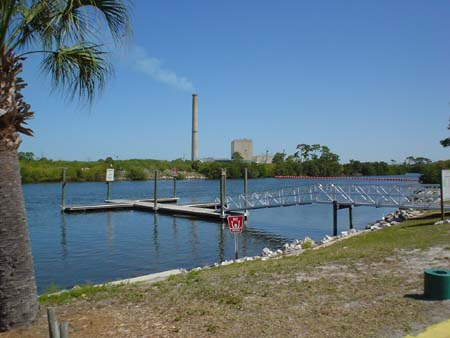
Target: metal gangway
point(411, 195)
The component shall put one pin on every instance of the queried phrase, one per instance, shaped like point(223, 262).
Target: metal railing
point(388, 195)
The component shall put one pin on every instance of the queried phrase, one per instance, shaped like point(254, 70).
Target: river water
point(70, 249)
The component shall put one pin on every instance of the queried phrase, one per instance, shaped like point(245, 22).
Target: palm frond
point(115, 13)
point(35, 26)
point(82, 70)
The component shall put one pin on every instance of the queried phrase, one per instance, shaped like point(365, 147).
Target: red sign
point(235, 223)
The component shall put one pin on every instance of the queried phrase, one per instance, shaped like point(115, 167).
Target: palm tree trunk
point(18, 298)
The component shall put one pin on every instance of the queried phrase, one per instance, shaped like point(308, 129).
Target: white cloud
point(153, 67)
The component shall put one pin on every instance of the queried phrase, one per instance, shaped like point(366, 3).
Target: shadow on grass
point(419, 296)
point(434, 216)
point(418, 225)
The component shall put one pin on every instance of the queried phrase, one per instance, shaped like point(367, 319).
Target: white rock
point(279, 252)
point(266, 252)
point(344, 233)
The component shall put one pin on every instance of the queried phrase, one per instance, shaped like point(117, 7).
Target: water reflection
point(109, 228)
point(194, 240)
point(222, 243)
point(175, 230)
point(63, 236)
point(155, 234)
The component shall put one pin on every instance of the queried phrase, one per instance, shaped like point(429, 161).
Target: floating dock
point(163, 206)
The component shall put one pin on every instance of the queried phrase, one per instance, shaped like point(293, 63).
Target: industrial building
point(243, 147)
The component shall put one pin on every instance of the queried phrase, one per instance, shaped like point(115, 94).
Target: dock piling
point(350, 216)
point(174, 186)
point(63, 188)
point(222, 192)
point(246, 191)
point(155, 192)
point(335, 209)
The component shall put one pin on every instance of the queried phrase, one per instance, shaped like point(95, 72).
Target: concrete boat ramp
point(163, 206)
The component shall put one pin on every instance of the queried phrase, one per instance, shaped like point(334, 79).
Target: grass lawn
point(364, 286)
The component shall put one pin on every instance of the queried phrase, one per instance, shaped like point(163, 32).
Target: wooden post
point(64, 330)
point(174, 186)
point(246, 191)
point(222, 193)
point(442, 196)
point(224, 173)
point(335, 209)
point(63, 189)
point(53, 327)
point(155, 192)
point(109, 179)
point(350, 216)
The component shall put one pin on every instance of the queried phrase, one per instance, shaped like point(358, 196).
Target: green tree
point(278, 158)
point(26, 156)
point(237, 156)
point(63, 33)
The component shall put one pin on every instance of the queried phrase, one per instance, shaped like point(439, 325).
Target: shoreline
point(293, 248)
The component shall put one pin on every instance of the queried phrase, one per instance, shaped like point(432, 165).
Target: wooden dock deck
point(164, 206)
point(108, 205)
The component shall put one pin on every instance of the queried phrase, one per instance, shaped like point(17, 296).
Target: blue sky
point(370, 79)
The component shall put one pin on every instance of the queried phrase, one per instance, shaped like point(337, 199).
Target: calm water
point(100, 247)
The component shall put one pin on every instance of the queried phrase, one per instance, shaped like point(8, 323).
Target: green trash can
point(437, 284)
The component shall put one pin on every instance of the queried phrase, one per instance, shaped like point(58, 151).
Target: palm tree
point(63, 32)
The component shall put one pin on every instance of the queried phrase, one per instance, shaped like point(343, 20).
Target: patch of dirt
point(359, 299)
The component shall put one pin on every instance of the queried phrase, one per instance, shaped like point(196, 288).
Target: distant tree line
point(35, 170)
point(307, 160)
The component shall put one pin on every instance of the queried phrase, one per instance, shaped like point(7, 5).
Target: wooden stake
point(64, 330)
point(53, 327)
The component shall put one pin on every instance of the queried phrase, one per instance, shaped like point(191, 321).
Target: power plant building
point(243, 147)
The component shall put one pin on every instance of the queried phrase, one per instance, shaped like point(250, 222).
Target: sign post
point(235, 224)
point(445, 189)
point(109, 179)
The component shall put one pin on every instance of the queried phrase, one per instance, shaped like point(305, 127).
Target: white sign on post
point(445, 184)
point(109, 175)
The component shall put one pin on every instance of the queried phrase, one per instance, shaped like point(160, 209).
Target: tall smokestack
point(194, 128)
